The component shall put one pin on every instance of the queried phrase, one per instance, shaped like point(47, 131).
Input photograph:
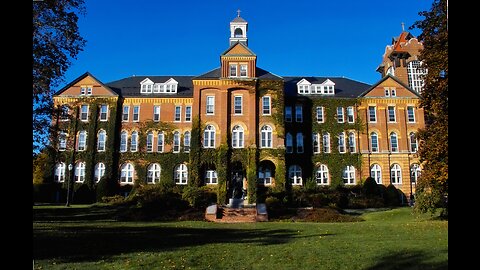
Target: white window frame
point(127, 173)
point(295, 175)
point(186, 141)
point(350, 115)
point(127, 109)
point(243, 68)
point(160, 142)
point(154, 171)
point(263, 179)
point(298, 113)
point(188, 113)
point(373, 148)
point(391, 114)
point(82, 143)
point(62, 141)
point(238, 137)
point(104, 119)
point(348, 175)
point(415, 172)
point(176, 142)
point(316, 143)
point(123, 141)
point(149, 142)
point(181, 174)
point(322, 175)
point(79, 172)
point(99, 171)
point(320, 114)
point(101, 144)
point(326, 142)
point(341, 143)
point(396, 174)
point(412, 114)
point(211, 177)
point(177, 114)
point(387, 92)
point(237, 110)
point(393, 92)
point(59, 174)
point(89, 90)
point(376, 173)
point(83, 90)
point(266, 137)
point(394, 142)
point(84, 115)
point(156, 113)
point(266, 110)
point(64, 113)
point(210, 105)
point(415, 73)
point(209, 134)
point(413, 144)
point(136, 116)
point(352, 146)
point(340, 115)
point(134, 141)
point(370, 114)
point(230, 74)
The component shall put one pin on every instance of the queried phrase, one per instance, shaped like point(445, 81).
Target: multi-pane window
point(103, 112)
point(186, 142)
point(376, 173)
point(340, 116)
point(126, 173)
point(176, 142)
point(150, 141)
point(415, 73)
point(396, 174)
point(387, 92)
point(319, 114)
point(288, 114)
point(83, 90)
point(160, 141)
point(233, 70)
point(188, 113)
point(350, 115)
point(266, 106)
point(211, 177)
point(415, 172)
point(153, 173)
point(210, 104)
point(237, 137)
point(372, 114)
point(298, 113)
point(394, 93)
point(181, 174)
point(99, 171)
point(80, 172)
point(82, 140)
point(64, 112)
point(374, 142)
point(209, 137)
point(125, 113)
point(156, 113)
point(84, 113)
point(264, 175)
point(299, 142)
point(348, 175)
point(134, 142)
point(238, 104)
point(123, 141)
point(326, 142)
point(413, 142)
point(289, 143)
point(89, 90)
point(391, 114)
point(62, 141)
point(351, 143)
point(60, 172)
point(295, 175)
point(316, 143)
point(178, 114)
point(341, 142)
point(243, 70)
point(411, 114)
point(321, 175)
point(102, 138)
point(266, 137)
point(393, 142)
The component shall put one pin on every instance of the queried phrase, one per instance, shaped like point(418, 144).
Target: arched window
point(289, 143)
point(99, 171)
point(209, 137)
point(126, 174)
point(374, 142)
point(266, 137)
point(316, 143)
point(376, 173)
point(123, 141)
point(351, 142)
point(238, 32)
point(326, 142)
point(134, 142)
point(102, 137)
point(413, 142)
point(181, 174)
point(295, 174)
point(211, 177)
point(237, 137)
point(80, 172)
point(150, 141)
point(348, 175)
point(321, 175)
point(186, 142)
point(341, 142)
point(415, 172)
point(62, 141)
point(264, 175)
point(299, 142)
point(176, 142)
point(160, 141)
point(82, 140)
point(393, 142)
point(60, 172)
point(153, 173)
point(396, 174)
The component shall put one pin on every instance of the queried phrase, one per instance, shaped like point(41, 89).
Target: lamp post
point(70, 167)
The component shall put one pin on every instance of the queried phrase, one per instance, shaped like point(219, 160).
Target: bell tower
point(238, 30)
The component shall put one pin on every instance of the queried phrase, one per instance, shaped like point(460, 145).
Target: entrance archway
point(265, 178)
point(235, 188)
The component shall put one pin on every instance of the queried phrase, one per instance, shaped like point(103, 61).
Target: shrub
point(199, 197)
point(106, 188)
point(370, 188)
point(273, 202)
point(392, 196)
point(116, 199)
point(83, 194)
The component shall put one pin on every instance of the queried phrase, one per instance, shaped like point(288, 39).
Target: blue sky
point(291, 38)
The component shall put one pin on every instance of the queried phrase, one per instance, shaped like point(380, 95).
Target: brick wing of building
point(240, 127)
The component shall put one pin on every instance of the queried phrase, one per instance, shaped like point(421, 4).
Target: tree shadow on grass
point(60, 213)
point(408, 260)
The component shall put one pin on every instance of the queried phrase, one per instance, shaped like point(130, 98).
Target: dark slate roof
point(130, 87)
point(261, 74)
point(238, 19)
point(344, 87)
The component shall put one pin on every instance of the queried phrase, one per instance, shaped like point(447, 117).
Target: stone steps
point(225, 214)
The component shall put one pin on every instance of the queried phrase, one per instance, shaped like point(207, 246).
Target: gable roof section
point(238, 49)
point(344, 87)
point(81, 77)
point(388, 76)
point(130, 87)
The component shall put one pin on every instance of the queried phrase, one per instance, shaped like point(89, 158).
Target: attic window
point(325, 88)
point(147, 86)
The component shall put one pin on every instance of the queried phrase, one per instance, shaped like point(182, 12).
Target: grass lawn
point(83, 237)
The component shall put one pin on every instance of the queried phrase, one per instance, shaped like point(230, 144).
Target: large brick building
point(241, 126)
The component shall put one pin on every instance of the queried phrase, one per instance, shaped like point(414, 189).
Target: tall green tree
point(56, 41)
point(432, 188)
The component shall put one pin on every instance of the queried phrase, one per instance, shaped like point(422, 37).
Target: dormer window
point(325, 88)
point(147, 86)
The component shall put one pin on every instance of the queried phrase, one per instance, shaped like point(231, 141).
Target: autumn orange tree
point(432, 188)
